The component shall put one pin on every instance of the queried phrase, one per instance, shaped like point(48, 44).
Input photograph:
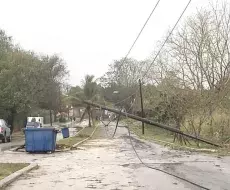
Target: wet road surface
point(9, 145)
point(110, 164)
point(17, 140)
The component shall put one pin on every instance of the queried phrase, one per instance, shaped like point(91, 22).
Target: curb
point(11, 178)
point(77, 144)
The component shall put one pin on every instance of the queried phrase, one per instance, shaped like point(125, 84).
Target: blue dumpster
point(65, 132)
point(40, 139)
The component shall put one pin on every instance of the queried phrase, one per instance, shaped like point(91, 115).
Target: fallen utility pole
point(147, 121)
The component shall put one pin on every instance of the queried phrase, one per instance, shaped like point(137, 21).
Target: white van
point(37, 119)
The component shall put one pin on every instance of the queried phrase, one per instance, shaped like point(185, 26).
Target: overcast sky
point(90, 34)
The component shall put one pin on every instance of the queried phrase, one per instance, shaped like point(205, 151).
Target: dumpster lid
point(41, 129)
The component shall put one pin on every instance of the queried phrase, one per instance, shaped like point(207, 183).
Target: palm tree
point(90, 92)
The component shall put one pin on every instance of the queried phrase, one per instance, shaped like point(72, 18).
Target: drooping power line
point(142, 29)
point(146, 22)
point(166, 39)
point(159, 49)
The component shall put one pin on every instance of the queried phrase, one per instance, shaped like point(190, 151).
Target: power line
point(142, 30)
point(154, 168)
point(116, 118)
point(168, 173)
point(126, 98)
point(167, 38)
point(146, 22)
point(160, 48)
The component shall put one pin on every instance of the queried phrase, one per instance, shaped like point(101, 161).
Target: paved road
point(111, 164)
point(17, 140)
point(14, 143)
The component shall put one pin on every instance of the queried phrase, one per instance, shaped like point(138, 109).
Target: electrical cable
point(167, 38)
point(106, 124)
point(130, 49)
point(168, 173)
point(160, 48)
point(116, 124)
point(154, 168)
point(119, 118)
point(146, 165)
point(126, 98)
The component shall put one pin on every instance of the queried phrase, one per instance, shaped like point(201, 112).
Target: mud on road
point(105, 163)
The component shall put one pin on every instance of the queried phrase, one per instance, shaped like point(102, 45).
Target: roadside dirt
point(111, 164)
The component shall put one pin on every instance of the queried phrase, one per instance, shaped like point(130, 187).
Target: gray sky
point(90, 34)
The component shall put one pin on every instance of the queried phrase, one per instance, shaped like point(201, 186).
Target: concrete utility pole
point(150, 122)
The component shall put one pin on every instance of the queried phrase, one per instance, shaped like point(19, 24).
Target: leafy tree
point(26, 80)
point(90, 92)
point(52, 72)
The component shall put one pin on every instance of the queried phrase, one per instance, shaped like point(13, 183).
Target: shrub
point(62, 120)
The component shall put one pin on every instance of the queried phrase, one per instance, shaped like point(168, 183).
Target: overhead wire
point(154, 168)
point(159, 51)
point(133, 44)
point(168, 173)
point(146, 22)
point(115, 130)
point(127, 97)
point(107, 124)
point(145, 164)
point(170, 33)
point(160, 48)
point(117, 117)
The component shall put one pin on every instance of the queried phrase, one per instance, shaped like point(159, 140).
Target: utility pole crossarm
point(150, 122)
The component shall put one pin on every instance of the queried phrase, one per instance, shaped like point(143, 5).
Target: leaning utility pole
point(142, 108)
point(147, 121)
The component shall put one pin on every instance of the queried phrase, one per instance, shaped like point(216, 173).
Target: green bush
point(62, 120)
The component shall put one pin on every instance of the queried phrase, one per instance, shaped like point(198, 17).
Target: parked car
point(5, 131)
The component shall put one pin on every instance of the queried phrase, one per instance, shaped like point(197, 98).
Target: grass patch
point(151, 132)
point(8, 168)
point(165, 138)
point(68, 142)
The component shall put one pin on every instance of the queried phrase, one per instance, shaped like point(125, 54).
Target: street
point(106, 163)
point(17, 140)
point(158, 68)
point(9, 145)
